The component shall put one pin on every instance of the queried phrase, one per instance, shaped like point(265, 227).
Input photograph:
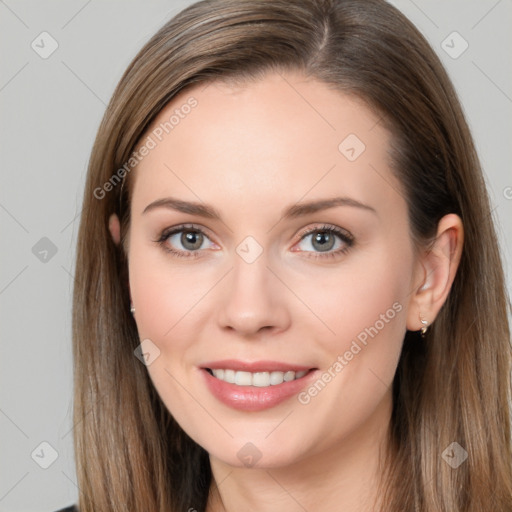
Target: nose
point(254, 300)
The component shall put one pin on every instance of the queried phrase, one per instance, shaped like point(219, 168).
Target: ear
point(435, 272)
point(114, 227)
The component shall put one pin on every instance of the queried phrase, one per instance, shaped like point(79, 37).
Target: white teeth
point(257, 379)
point(288, 376)
point(276, 378)
point(229, 376)
point(261, 379)
point(219, 374)
point(243, 379)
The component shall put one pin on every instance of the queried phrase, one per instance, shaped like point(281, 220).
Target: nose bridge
point(253, 299)
point(250, 262)
point(250, 277)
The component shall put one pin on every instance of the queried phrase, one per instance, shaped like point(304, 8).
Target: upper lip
point(255, 366)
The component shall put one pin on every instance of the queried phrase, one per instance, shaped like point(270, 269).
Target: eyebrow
point(292, 212)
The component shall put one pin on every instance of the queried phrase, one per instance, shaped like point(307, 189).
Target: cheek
point(161, 293)
point(363, 311)
point(366, 294)
point(167, 299)
point(367, 303)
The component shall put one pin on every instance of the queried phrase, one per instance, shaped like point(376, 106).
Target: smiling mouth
point(257, 379)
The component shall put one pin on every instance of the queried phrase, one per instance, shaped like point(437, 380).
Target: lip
point(252, 398)
point(256, 366)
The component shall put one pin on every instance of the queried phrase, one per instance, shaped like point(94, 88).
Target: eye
point(184, 241)
point(325, 241)
point(187, 241)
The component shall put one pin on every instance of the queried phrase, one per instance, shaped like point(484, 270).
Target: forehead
point(282, 136)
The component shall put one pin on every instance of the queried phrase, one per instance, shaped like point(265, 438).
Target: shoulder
point(72, 508)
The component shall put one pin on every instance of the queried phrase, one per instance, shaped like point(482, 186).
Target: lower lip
point(252, 398)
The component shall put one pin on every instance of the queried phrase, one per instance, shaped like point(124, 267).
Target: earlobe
point(114, 227)
point(439, 265)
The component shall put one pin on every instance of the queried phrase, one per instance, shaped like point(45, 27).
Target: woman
point(288, 292)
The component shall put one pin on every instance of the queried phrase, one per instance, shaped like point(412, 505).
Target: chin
point(244, 453)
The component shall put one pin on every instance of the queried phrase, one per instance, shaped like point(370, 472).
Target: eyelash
point(345, 237)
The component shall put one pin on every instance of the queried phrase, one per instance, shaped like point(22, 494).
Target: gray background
point(50, 111)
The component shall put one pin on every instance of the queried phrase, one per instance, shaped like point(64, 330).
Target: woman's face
point(269, 234)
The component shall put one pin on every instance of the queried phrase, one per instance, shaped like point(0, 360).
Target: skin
point(250, 151)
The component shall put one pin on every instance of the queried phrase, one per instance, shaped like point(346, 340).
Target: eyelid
point(342, 233)
point(167, 232)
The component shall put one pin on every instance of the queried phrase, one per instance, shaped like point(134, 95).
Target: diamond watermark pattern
point(249, 455)
point(44, 250)
point(44, 45)
point(455, 45)
point(147, 352)
point(44, 455)
point(352, 147)
point(249, 249)
point(454, 455)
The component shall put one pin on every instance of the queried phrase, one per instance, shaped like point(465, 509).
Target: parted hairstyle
point(451, 386)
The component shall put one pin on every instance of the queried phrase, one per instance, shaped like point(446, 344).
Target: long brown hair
point(452, 386)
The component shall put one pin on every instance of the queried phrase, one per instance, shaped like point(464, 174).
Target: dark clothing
point(72, 508)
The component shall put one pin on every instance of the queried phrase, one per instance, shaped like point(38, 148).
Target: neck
point(346, 477)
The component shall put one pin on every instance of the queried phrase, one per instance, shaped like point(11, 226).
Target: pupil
point(191, 240)
point(326, 241)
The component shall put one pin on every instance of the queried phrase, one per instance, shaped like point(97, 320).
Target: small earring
point(132, 309)
point(424, 329)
